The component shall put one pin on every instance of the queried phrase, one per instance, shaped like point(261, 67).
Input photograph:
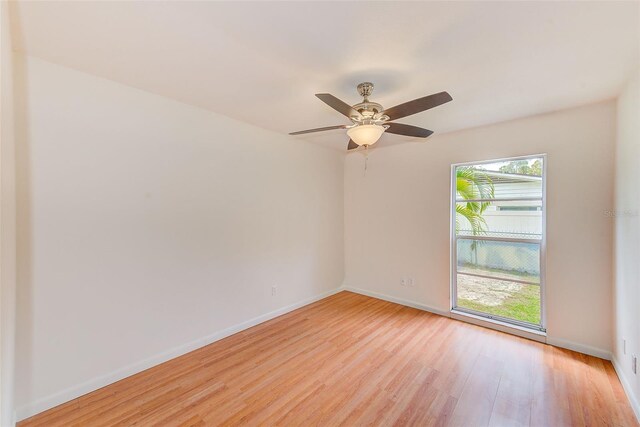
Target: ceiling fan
point(369, 120)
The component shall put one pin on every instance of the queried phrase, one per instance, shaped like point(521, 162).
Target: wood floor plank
point(353, 360)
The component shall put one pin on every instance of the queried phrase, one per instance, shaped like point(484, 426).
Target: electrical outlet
point(274, 291)
point(412, 282)
point(624, 346)
point(634, 364)
point(403, 282)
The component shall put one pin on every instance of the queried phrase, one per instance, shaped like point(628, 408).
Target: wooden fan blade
point(417, 105)
point(408, 130)
point(338, 105)
point(300, 132)
point(352, 145)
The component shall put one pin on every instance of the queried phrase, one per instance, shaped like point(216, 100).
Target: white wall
point(397, 216)
point(7, 221)
point(627, 240)
point(147, 226)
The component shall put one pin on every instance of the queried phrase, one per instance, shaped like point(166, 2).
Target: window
point(498, 240)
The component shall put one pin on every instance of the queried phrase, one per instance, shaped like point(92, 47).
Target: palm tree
point(473, 184)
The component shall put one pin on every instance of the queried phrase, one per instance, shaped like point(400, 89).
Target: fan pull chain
point(366, 158)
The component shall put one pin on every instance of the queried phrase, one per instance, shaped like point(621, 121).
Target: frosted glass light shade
point(366, 134)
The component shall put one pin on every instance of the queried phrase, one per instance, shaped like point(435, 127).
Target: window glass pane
point(497, 297)
point(499, 259)
point(499, 216)
point(500, 180)
point(508, 219)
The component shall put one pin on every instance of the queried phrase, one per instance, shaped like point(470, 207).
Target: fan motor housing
point(368, 106)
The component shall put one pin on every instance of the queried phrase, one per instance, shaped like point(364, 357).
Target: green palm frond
point(474, 218)
point(473, 184)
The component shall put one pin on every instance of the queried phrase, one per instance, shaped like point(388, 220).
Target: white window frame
point(543, 247)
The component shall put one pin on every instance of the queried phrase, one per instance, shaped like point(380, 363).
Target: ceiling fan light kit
point(369, 120)
point(365, 134)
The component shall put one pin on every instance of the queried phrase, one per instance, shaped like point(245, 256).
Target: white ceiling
point(262, 62)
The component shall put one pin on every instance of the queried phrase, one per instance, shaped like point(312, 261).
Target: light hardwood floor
point(353, 360)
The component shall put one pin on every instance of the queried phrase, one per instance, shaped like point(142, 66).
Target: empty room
point(319, 213)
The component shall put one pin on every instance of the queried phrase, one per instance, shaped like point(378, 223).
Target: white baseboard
point(74, 392)
point(400, 301)
point(580, 348)
point(467, 318)
point(633, 400)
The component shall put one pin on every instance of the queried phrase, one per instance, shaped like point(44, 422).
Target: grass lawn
point(522, 302)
